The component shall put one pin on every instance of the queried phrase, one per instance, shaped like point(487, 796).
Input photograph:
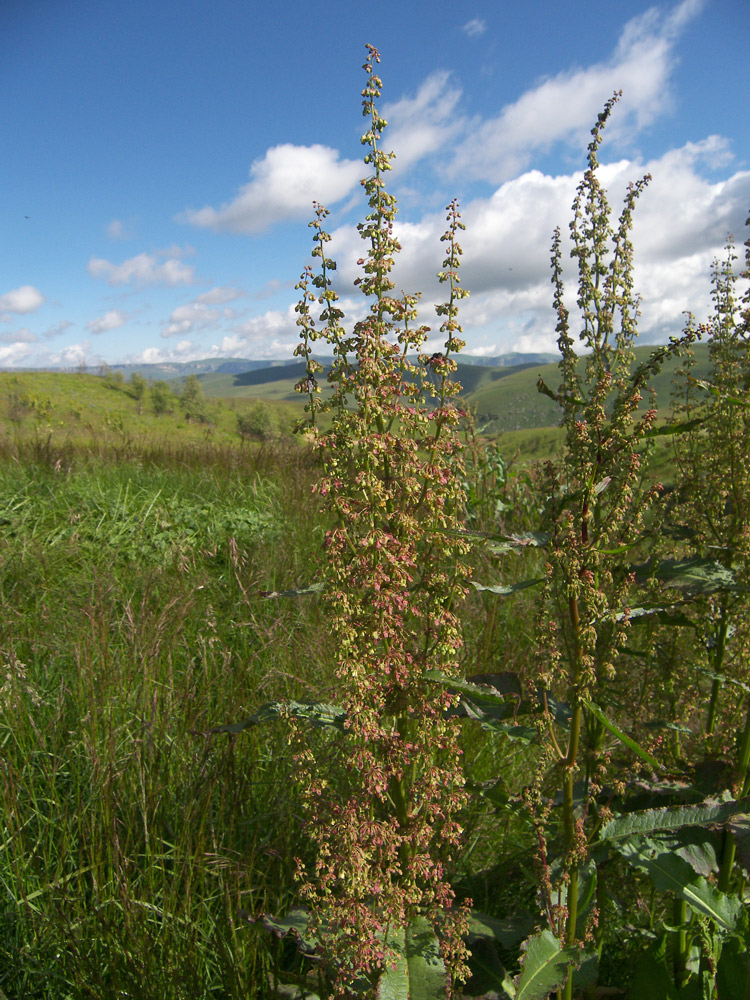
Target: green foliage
point(131, 622)
point(162, 398)
point(257, 422)
point(193, 400)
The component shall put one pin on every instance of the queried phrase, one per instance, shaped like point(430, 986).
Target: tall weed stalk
point(599, 503)
point(383, 798)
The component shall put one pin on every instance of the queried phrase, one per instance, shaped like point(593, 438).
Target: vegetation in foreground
point(576, 636)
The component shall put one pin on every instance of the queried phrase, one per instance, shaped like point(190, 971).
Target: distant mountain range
point(239, 366)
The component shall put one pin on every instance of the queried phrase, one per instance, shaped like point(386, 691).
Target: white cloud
point(22, 336)
point(71, 356)
point(475, 27)
point(176, 251)
point(195, 315)
point(109, 321)
point(55, 331)
point(680, 223)
point(271, 288)
point(562, 108)
point(121, 230)
point(25, 299)
point(150, 356)
point(14, 353)
point(274, 325)
point(282, 186)
point(422, 124)
point(219, 295)
point(143, 269)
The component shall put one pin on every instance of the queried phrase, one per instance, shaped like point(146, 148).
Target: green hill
point(505, 398)
point(510, 400)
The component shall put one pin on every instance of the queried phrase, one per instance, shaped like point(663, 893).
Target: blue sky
point(161, 158)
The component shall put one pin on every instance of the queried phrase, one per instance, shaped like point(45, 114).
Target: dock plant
point(383, 797)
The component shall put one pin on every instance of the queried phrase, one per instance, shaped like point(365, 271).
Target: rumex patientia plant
point(383, 806)
point(599, 505)
point(713, 488)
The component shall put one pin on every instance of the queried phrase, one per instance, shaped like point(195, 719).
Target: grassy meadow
point(140, 852)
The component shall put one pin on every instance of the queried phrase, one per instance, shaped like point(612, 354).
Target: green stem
point(711, 717)
point(717, 662)
point(729, 846)
point(681, 951)
point(743, 764)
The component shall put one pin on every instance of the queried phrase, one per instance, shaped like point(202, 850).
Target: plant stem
point(729, 847)
point(681, 953)
point(717, 662)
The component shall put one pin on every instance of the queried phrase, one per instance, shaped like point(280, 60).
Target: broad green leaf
point(722, 678)
point(665, 615)
point(319, 715)
point(652, 978)
point(671, 873)
point(509, 588)
point(493, 689)
point(494, 725)
point(487, 705)
point(313, 588)
point(672, 818)
point(695, 576)
point(517, 543)
point(733, 969)
point(508, 931)
point(294, 924)
point(622, 737)
point(545, 966)
point(417, 971)
point(501, 544)
point(715, 391)
point(669, 429)
point(394, 980)
point(601, 486)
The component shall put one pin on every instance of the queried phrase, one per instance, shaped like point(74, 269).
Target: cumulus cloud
point(198, 314)
point(475, 27)
point(71, 356)
point(425, 123)
point(14, 353)
point(283, 185)
point(562, 108)
point(680, 224)
point(258, 332)
point(22, 336)
point(25, 299)
point(143, 269)
point(219, 295)
point(109, 321)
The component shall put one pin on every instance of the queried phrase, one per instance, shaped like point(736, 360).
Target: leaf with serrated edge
point(504, 589)
point(545, 966)
point(672, 818)
point(319, 715)
point(418, 972)
point(671, 873)
point(313, 588)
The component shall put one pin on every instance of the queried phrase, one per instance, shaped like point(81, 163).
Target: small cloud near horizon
point(144, 269)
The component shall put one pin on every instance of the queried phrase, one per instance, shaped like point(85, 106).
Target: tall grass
point(131, 622)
